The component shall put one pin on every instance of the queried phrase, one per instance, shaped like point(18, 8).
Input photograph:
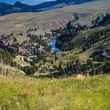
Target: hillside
point(55, 94)
point(55, 59)
point(65, 41)
point(49, 19)
point(17, 7)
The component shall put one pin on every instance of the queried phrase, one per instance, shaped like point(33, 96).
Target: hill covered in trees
point(81, 46)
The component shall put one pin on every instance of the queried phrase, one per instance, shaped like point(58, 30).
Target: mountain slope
point(20, 7)
point(50, 19)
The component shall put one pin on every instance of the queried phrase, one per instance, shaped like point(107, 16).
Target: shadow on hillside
point(53, 76)
point(61, 76)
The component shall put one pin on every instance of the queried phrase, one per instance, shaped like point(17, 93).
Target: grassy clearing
point(55, 94)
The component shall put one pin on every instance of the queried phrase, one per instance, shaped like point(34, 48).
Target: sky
point(32, 2)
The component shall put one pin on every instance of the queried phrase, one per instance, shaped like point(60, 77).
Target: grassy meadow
point(24, 93)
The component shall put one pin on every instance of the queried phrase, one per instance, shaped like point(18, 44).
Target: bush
point(6, 57)
point(29, 70)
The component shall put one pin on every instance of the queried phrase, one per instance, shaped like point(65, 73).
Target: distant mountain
point(6, 8)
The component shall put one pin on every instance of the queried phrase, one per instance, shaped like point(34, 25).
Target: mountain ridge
point(6, 8)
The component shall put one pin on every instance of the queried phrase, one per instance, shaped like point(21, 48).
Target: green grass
point(55, 94)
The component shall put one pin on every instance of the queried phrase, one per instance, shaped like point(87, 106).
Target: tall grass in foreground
point(55, 94)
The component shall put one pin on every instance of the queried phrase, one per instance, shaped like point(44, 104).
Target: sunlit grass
point(55, 94)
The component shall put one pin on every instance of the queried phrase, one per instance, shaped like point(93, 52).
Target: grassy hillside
point(55, 94)
point(48, 19)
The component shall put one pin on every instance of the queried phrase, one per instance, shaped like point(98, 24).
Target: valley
point(56, 58)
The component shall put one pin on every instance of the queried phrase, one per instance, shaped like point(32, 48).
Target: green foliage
point(6, 57)
point(29, 70)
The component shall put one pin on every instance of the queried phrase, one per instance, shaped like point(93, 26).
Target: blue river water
point(52, 44)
